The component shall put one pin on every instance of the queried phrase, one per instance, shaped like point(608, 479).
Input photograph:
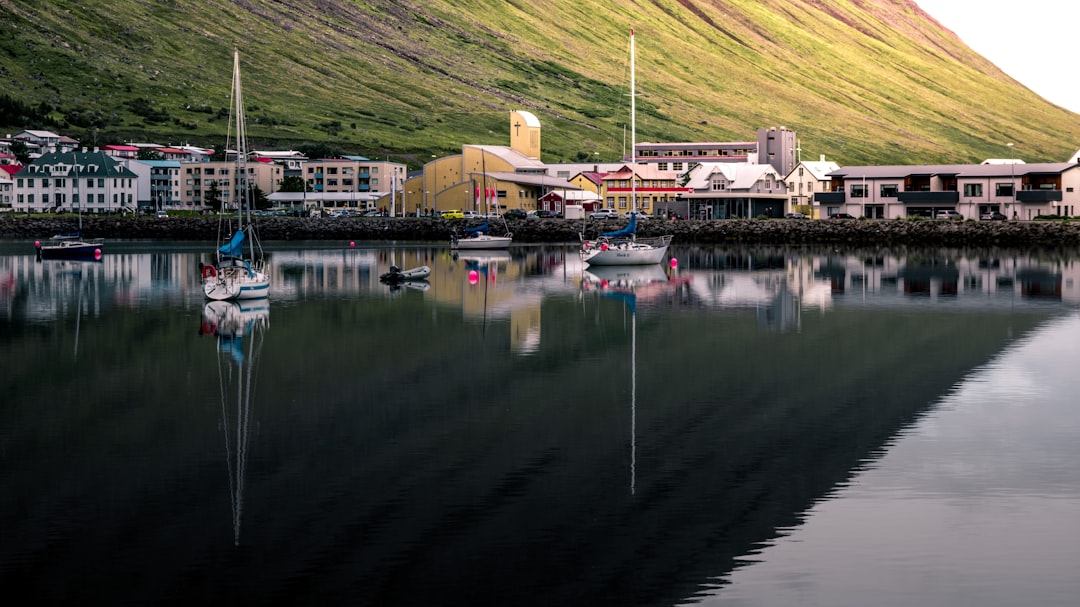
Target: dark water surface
point(757, 426)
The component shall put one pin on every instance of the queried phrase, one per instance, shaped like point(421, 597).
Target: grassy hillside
point(862, 82)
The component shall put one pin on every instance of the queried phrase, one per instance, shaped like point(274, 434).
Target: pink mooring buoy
point(674, 262)
point(352, 244)
point(474, 277)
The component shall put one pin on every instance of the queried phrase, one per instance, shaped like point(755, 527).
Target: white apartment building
point(92, 182)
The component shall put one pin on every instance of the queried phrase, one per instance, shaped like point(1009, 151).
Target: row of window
point(62, 183)
point(971, 190)
point(62, 199)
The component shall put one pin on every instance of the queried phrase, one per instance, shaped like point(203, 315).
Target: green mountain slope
point(861, 81)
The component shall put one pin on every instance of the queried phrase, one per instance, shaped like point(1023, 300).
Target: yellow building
point(465, 181)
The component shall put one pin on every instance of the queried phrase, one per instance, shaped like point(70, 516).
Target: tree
point(20, 151)
point(292, 183)
point(150, 154)
point(259, 199)
point(213, 196)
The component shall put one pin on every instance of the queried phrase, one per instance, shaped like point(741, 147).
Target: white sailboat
point(623, 247)
point(238, 272)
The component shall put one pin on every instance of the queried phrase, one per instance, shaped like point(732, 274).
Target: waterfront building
point(641, 188)
point(777, 147)
point(202, 182)
point(164, 186)
point(485, 178)
point(806, 179)
point(67, 181)
point(1016, 189)
point(7, 185)
point(721, 191)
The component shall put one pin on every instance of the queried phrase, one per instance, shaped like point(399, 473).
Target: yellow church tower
point(525, 134)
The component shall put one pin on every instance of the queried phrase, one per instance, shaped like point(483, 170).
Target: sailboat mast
point(243, 191)
point(633, 130)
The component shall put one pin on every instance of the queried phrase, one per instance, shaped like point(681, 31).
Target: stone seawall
point(774, 231)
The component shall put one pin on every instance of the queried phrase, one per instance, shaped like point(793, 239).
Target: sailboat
point(231, 323)
point(71, 245)
point(623, 247)
point(238, 272)
point(478, 237)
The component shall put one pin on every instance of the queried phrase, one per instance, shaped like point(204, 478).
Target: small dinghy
point(397, 275)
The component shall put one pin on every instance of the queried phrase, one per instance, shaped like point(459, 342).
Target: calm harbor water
point(755, 426)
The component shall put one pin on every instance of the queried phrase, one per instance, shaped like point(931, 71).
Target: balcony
point(929, 197)
point(830, 197)
point(1038, 196)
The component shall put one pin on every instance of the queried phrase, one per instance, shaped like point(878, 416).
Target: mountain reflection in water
point(517, 432)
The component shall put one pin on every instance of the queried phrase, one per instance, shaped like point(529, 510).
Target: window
point(676, 166)
point(858, 190)
point(1003, 189)
point(661, 166)
point(889, 190)
point(973, 190)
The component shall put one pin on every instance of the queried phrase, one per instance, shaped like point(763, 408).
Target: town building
point(203, 182)
point(721, 191)
point(777, 147)
point(641, 188)
point(92, 182)
point(1015, 189)
point(462, 181)
point(164, 186)
point(806, 179)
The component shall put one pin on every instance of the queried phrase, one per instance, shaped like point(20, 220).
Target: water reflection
point(239, 328)
point(526, 430)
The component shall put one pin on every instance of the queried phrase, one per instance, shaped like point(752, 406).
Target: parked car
point(470, 215)
point(641, 215)
point(841, 216)
point(453, 214)
point(795, 216)
point(604, 214)
point(993, 216)
point(514, 214)
point(162, 214)
point(544, 214)
point(948, 214)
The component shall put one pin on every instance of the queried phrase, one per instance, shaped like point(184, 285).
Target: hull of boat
point(237, 285)
point(630, 256)
point(482, 242)
point(70, 249)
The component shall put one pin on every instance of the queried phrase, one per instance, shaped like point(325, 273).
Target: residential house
point(7, 185)
point(65, 181)
point(722, 191)
point(807, 178)
point(1019, 190)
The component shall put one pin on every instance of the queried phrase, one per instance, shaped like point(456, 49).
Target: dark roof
point(91, 164)
point(951, 170)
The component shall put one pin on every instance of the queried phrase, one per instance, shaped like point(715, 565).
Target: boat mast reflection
point(238, 362)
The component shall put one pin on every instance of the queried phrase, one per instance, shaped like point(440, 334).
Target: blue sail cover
point(480, 228)
point(629, 230)
point(235, 247)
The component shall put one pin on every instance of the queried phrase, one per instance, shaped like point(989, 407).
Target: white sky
point(1034, 41)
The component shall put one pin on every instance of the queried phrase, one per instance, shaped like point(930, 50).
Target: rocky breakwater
point(757, 231)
